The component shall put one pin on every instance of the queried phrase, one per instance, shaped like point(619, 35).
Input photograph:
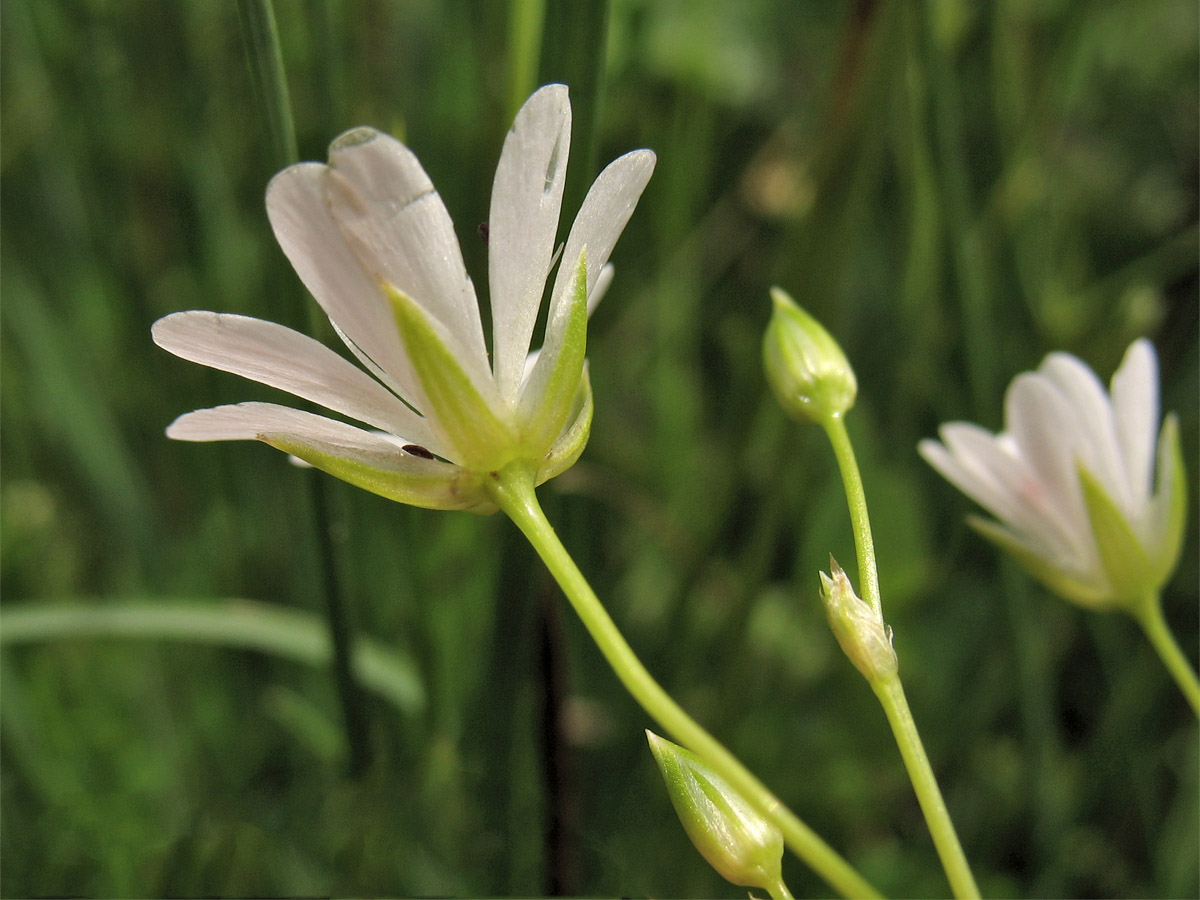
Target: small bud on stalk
point(732, 835)
point(807, 370)
point(860, 631)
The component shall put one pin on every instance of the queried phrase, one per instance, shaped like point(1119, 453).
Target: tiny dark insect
point(417, 450)
point(483, 232)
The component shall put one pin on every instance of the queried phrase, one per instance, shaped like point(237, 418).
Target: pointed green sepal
point(470, 423)
point(426, 483)
point(1122, 556)
point(733, 836)
point(1059, 582)
point(1171, 489)
point(549, 399)
point(570, 444)
point(859, 629)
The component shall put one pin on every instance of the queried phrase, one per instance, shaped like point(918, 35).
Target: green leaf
point(551, 395)
point(1172, 490)
point(440, 486)
point(569, 446)
point(1125, 561)
point(267, 628)
point(469, 422)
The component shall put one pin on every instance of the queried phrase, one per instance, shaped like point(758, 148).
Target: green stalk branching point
point(871, 652)
point(512, 490)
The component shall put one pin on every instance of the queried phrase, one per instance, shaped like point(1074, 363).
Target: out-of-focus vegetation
point(953, 188)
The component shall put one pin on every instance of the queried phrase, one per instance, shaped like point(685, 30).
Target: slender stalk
point(512, 490)
point(525, 18)
point(270, 86)
point(780, 892)
point(888, 687)
point(573, 52)
point(1151, 619)
point(860, 521)
point(265, 58)
point(895, 705)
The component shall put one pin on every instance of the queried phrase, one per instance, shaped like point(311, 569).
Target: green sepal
point(437, 485)
point(1172, 490)
point(552, 394)
point(567, 449)
point(733, 836)
point(482, 441)
point(1080, 592)
point(1125, 561)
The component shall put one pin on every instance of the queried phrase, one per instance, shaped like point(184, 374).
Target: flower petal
point(600, 288)
point(333, 274)
point(609, 203)
point(1086, 587)
point(522, 224)
point(1094, 440)
point(398, 227)
point(990, 471)
point(1135, 411)
point(375, 462)
point(281, 358)
point(1045, 428)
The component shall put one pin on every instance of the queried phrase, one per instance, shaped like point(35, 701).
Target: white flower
point(1071, 479)
point(372, 241)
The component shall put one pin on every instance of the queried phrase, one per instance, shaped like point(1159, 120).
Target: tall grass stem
point(265, 57)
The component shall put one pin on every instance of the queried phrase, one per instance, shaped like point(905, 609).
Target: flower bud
point(733, 836)
point(809, 374)
point(858, 628)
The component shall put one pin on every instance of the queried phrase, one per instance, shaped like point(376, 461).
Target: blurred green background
point(954, 188)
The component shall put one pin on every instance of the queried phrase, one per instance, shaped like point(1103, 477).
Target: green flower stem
point(512, 490)
point(888, 688)
point(1150, 617)
point(780, 892)
point(856, 499)
point(895, 705)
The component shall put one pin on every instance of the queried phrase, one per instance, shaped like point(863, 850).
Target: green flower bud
point(733, 836)
point(860, 631)
point(809, 374)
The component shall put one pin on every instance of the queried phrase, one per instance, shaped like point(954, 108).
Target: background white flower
point(372, 241)
point(1071, 479)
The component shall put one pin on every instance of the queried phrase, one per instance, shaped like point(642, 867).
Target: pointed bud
point(858, 628)
point(809, 374)
point(733, 836)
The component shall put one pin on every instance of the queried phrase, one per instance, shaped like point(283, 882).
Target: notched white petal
point(274, 355)
point(609, 203)
point(1136, 410)
point(250, 421)
point(522, 222)
point(1094, 435)
point(330, 270)
point(399, 230)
